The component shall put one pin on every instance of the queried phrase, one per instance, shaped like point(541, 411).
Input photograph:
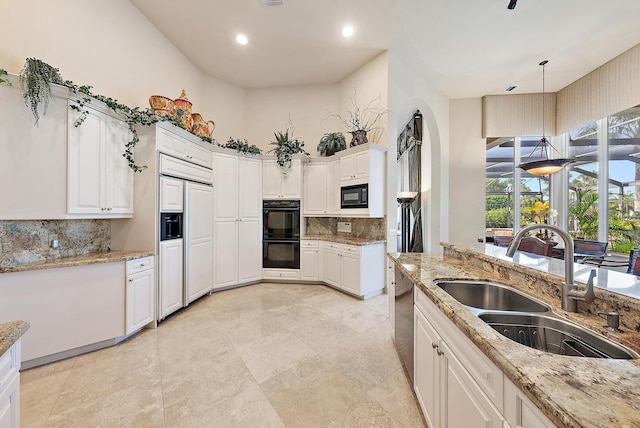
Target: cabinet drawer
point(281, 273)
point(139, 265)
point(308, 244)
point(332, 246)
point(171, 144)
point(350, 249)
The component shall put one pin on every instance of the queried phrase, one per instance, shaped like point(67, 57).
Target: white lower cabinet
point(443, 385)
point(170, 284)
point(140, 295)
point(520, 411)
point(391, 294)
point(309, 260)
point(356, 269)
point(456, 384)
point(10, 387)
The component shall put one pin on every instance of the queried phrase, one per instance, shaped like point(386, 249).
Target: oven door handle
point(281, 241)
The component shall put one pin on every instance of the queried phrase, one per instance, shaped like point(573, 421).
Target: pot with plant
point(360, 121)
point(331, 143)
point(285, 147)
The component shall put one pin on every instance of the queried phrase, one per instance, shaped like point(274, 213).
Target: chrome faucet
point(570, 292)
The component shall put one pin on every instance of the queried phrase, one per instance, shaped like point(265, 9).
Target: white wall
point(268, 110)
point(371, 84)
point(113, 47)
point(467, 172)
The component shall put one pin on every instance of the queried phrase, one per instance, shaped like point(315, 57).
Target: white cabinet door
point(10, 403)
point(198, 154)
point(351, 273)
point(316, 183)
point(171, 280)
point(309, 260)
point(226, 187)
point(462, 392)
point(226, 254)
point(520, 412)
point(426, 369)
point(332, 267)
point(250, 189)
point(355, 166)
point(334, 187)
point(271, 180)
point(199, 238)
point(292, 181)
point(171, 195)
point(119, 177)
point(391, 294)
point(249, 250)
point(84, 159)
point(140, 300)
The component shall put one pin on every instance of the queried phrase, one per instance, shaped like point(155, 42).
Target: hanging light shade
point(544, 165)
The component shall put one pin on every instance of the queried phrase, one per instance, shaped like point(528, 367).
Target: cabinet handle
point(434, 346)
point(141, 264)
point(130, 279)
point(439, 352)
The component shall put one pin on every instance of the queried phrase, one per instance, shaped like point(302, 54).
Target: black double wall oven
point(281, 234)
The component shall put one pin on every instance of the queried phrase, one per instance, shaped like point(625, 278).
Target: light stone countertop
point(570, 391)
point(87, 259)
point(10, 332)
point(343, 239)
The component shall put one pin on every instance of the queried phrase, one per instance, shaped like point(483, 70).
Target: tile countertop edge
point(350, 240)
point(86, 259)
point(10, 332)
point(571, 392)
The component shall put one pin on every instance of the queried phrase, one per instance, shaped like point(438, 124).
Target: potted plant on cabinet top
point(331, 143)
point(285, 147)
point(360, 121)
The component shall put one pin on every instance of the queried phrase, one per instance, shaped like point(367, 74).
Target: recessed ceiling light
point(510, 88)
point(347, 31)
point(242, 39)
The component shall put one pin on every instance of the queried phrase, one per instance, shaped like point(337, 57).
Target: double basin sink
point(530, 322)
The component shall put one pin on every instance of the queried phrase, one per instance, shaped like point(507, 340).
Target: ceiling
point(469, 48)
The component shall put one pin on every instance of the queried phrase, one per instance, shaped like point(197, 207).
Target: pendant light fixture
point(544, 165)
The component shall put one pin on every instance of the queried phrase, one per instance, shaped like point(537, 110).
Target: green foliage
point(36, 78)
point(242, 146)
point(496, 201)
point(497, 217)
point(331, 142)
point(583, 214)
point(3, 72)
point(285, 147)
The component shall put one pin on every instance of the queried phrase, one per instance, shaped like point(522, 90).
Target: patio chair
point(589, 252)
point(534, 245)
point(502, 241)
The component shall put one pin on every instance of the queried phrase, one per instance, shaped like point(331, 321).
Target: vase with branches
point(359, 121)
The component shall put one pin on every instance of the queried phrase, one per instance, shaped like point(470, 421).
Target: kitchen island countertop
point(570, 391)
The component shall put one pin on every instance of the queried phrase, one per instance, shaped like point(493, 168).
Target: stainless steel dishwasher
point(404, 321)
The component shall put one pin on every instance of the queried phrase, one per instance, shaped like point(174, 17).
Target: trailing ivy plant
point(242, 146)
point(3, 72)
point(36, 78)
point(285, 147)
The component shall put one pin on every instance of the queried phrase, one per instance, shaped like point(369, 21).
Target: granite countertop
point(10, 332)
point(344, 239)
point(570, 391)
point(87, 259)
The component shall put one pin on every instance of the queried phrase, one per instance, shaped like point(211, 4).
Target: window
point(583, 182)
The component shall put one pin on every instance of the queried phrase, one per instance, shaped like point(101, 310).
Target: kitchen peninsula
point(516, 381)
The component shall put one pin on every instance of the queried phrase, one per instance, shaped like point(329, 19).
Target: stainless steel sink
point(490, 296)
point(554, 335)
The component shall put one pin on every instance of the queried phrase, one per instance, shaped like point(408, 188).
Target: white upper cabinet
point(316, 188)
point(276, 185)
point(182, 144)
point(100, 182)
point(355, 166)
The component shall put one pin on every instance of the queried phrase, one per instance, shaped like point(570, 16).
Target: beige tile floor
point(267, 355)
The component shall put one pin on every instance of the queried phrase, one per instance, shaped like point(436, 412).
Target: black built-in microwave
point(354, 196)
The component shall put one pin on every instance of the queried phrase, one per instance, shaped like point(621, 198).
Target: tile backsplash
point(28, 241)
point(368, 228)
